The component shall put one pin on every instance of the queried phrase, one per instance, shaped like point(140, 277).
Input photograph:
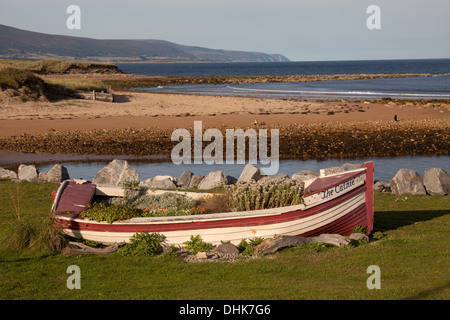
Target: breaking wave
point(350, 93)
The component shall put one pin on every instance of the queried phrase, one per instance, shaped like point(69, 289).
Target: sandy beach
point(169, 111)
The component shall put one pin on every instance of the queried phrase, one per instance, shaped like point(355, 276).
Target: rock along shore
point(435, 182)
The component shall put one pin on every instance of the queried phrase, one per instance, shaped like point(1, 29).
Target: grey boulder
point(407, 181)
point(213, 180)
point(185, 179)
point(57, 174)
point(8, 174)
point(381, 187)
point(437, 182)
point(195, 180)
point(159, 182)
point(28, 173)
point(117, 172)
point(250, 172)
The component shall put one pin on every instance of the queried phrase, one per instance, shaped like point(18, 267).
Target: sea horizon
point(379, 66)
point(434, 87)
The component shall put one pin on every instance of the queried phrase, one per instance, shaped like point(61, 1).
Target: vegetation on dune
point(83, 84)
point(59, 66)
point(15, 78)
point(31, 80)
point(28, 85)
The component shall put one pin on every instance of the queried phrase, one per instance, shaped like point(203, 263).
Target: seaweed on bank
point(316, 141)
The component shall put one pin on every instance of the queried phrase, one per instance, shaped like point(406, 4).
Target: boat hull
point(336, 207)
point(340, 218)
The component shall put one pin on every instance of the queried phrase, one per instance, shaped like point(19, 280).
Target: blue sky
point(299, 29)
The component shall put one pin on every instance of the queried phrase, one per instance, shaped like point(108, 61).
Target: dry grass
point(83, 84)
point(42, 237)
point(25, 234)
point(57, 66)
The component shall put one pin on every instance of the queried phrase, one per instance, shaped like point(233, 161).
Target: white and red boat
point(335, 203)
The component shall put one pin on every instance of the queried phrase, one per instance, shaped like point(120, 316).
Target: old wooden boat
point(335, 203)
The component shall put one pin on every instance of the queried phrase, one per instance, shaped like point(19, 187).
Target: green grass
point(413, 258)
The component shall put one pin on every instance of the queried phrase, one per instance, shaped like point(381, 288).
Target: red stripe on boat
point(344, 225)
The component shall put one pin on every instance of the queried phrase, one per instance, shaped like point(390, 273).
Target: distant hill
point(28, 45)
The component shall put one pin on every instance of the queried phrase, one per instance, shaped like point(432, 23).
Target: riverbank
point(319, 141)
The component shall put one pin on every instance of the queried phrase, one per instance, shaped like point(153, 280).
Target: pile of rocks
point(229, 252)
point(56, 174)
point(436, 181)
point(119, 171)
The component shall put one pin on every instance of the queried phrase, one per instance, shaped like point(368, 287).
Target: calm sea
point(433, 66)
point(435, 86)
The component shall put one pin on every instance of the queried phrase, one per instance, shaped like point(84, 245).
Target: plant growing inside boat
point(109, 212)
point(254, 196)
point(216, 202)
point(167, 204)
point(243, 197)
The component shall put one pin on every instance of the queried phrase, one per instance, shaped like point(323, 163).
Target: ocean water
point(434, 86)
point(432, 66)
point(430, 87)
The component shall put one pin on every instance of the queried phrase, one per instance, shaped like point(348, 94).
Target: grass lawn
point(413, 259)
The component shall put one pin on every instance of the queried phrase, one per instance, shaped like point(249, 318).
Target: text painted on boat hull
point(337, 189)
